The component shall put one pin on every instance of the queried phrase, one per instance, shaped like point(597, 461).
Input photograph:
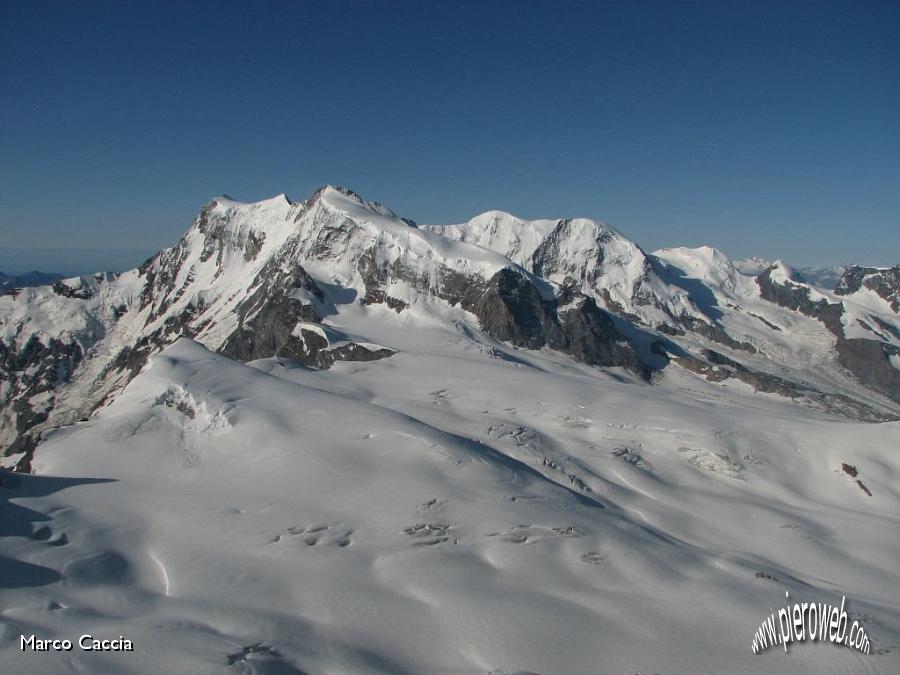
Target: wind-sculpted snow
point(279, 278)
point(444, 511)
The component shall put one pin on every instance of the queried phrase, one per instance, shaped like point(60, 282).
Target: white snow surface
point(753, 266)
point(499, 231)
point(461, 507)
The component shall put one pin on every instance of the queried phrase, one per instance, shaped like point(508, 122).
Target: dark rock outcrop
point(717, 367)
point(713, 331)
point(38, 368)
point(510, 308)
point(795, 296)
point(885, 282)
point(869, 361)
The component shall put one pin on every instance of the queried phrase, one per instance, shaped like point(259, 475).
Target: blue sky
point(760, 128)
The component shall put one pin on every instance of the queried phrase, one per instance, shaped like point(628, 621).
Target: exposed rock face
point(77, 288)
point(510, 308)
point(851, 280)
point(716, 367)
point(591, 336)
point(604, 265)
point(795, 295)
point(892, 330)
point(868, 360)
point(271, 332)
point(351, 351)
point(268, 319)
point(885, 282)
point(34, 372)
point(714, 332)
point(31, 377)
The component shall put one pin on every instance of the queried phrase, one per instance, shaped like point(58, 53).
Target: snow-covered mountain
point(273, 278)
point(314, 437)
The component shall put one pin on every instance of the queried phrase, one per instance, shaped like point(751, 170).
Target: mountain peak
point(351, 204)
point(334, 190)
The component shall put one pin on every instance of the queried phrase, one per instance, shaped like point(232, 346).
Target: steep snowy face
point(234, 250)
point(512, 237)
point(707, 265)
point(231, 243)
point(587, 254)
point(360, 245)
point(211, 270)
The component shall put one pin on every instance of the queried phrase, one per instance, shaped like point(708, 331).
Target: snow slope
point(497, 447)
point(461, 507)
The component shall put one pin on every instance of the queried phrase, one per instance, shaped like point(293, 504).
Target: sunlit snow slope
point(313, 437)
point(457, 508)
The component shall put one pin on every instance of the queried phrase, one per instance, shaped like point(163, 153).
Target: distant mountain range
point(34, 278)
point(273, 278)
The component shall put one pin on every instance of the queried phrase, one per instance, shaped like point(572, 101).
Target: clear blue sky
point(761, 128)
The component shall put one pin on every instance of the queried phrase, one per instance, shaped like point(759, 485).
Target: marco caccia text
point(87, 643)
